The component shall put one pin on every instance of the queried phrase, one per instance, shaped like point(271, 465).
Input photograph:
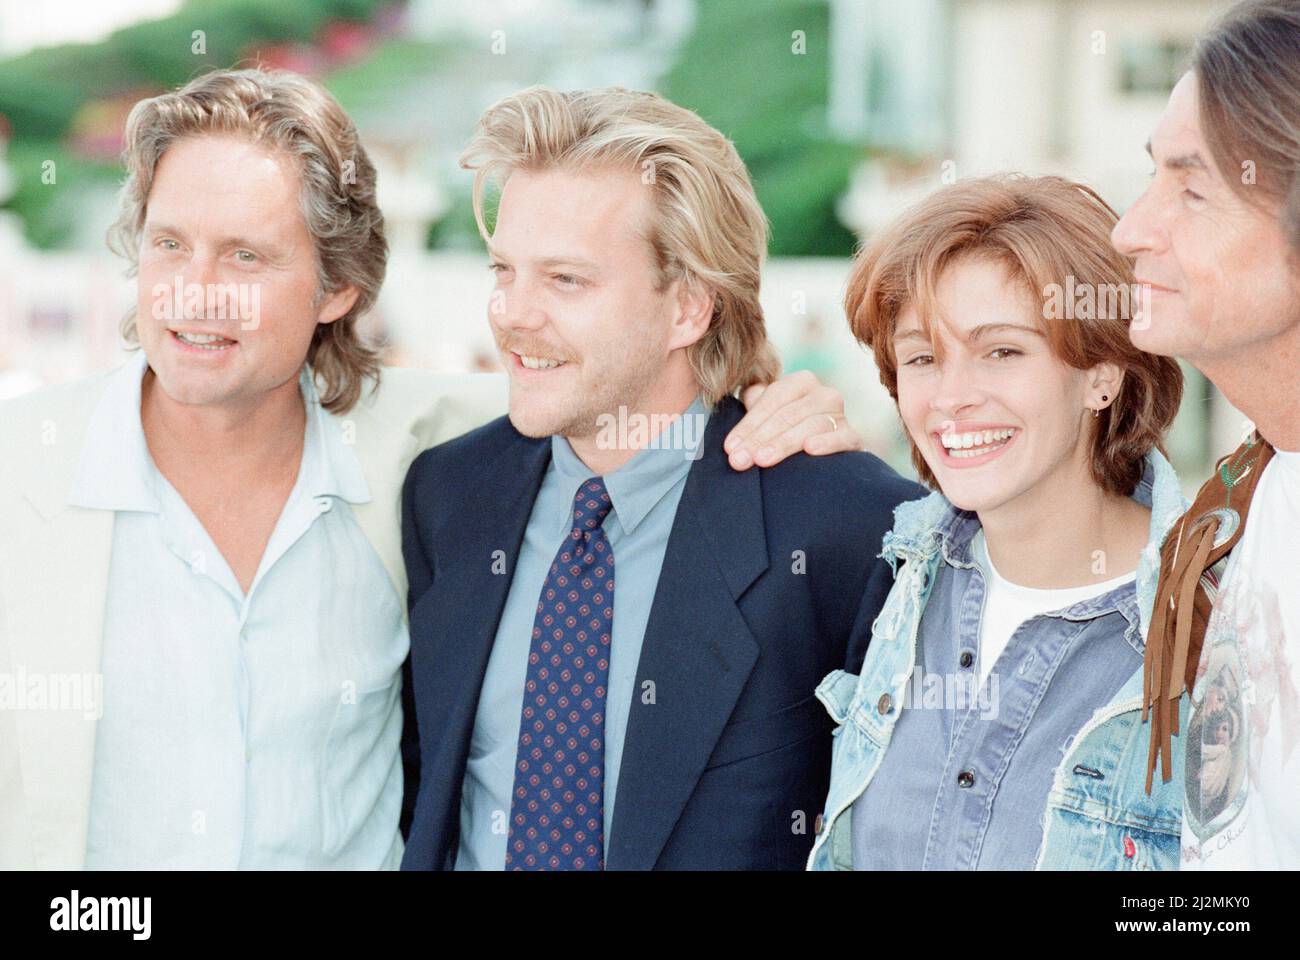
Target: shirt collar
point(332, 469)
point(637, 486)
point(116, 472)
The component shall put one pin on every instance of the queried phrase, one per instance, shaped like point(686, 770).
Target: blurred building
point(942, 89)
point(25, 25)
point(927, 90)
point(58, 309)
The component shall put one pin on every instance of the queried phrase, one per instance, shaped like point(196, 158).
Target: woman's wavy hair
point(1044, 230)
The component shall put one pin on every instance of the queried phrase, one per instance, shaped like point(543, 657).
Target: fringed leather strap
point(1204, 534)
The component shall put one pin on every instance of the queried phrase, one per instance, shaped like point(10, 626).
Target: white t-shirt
point(1007, 605)
point(1242, 777)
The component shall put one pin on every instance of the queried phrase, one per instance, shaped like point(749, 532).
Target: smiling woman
point(1041, 231)
point(1034, 562)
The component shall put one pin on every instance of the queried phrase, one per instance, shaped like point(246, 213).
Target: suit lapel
point(384, 454)
point(477, 563)
point(457, 619)
point(698, 651)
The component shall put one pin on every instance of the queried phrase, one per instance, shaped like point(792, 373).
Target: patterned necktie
point(557, 807)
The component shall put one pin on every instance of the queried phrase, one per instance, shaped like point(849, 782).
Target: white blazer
point(54, 562)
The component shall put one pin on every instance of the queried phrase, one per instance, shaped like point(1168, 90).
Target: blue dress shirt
point(645, 492)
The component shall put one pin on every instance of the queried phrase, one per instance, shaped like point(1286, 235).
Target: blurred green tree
point(45, 93)
point(740, 71)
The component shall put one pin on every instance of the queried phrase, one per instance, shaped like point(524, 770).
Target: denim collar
point(933, 525)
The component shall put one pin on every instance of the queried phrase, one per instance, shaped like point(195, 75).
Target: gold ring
point(835, 424)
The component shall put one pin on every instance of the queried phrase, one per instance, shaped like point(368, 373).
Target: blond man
point(615, 637)
point(201, 549)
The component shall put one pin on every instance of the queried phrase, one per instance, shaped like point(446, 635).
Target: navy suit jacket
point(770, 580)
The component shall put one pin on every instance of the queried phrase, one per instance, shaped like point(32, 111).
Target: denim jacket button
point(818, 824)
point(967, 658)
point(965, 779)
point(884, 704)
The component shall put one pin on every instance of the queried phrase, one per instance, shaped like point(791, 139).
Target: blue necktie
point(557, 807)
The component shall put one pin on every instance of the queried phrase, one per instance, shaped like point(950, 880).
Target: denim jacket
point(1098, 814)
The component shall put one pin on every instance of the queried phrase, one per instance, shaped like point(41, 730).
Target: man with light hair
point(1216, 237)
point(614, 636)
point(212, 530)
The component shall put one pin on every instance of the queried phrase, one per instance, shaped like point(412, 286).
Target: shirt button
point(967, 658)
point(884, 704)
point(818, 824)
point(965, 779)
point(323, 504)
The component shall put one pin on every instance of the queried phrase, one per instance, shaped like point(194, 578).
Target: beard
point(619, 377)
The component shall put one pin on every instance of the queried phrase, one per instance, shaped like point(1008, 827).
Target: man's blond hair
point(708, 230)
point(291, 115)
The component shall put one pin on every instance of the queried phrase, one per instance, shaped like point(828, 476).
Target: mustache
point(533, 348)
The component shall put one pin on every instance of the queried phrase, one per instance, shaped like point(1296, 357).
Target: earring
point(1096, 412)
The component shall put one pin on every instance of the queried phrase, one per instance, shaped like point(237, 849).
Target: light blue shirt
point(645, 492)
point(257, 731)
